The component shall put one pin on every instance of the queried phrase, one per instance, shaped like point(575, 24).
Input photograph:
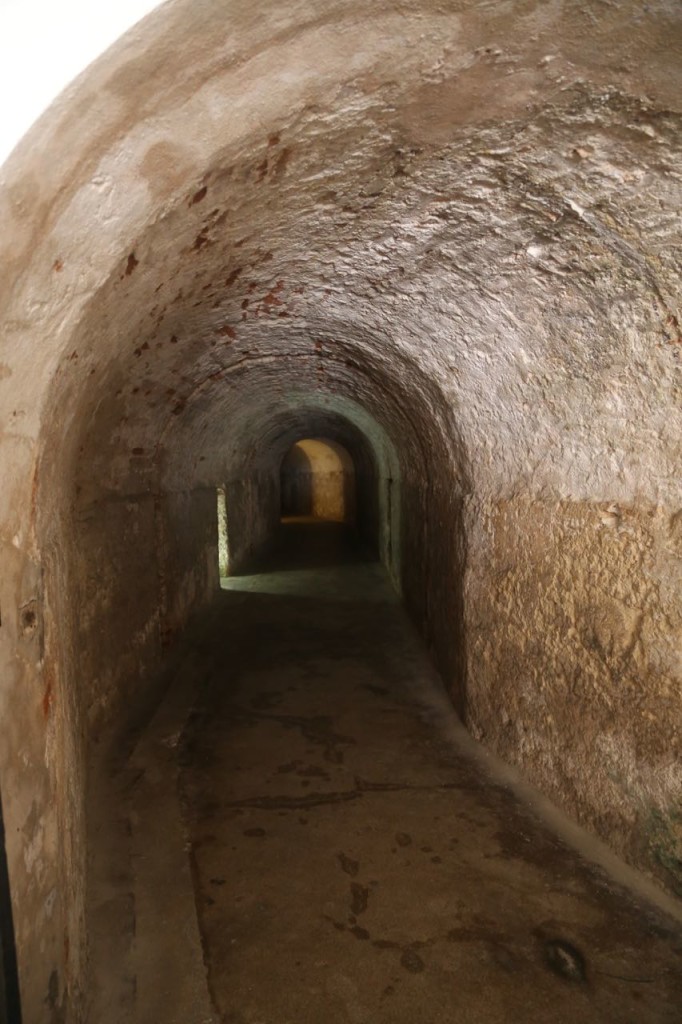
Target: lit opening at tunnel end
point(317, 479)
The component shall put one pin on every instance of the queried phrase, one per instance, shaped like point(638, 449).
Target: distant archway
point(318, 479)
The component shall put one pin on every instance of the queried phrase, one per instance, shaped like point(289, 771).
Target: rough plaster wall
point(133, 570)
point(144, 566)
point(464, 220)
point(188, 552)
point(442, 624)
point(432, 561)
point(574, 638)
point(35, 788)
point(252, 517)
point(117, 593)
point(64, 970)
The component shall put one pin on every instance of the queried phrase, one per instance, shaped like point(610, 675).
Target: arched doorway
point(317, 479)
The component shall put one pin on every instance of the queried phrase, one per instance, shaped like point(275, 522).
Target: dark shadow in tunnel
point(304, 542)
point(10, 1010)
point(306, 591)
point(296, 477)
point(349, 496)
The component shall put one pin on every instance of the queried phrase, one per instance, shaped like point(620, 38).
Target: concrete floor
point(352, 858)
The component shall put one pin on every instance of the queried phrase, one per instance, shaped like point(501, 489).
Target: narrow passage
point(352, 863)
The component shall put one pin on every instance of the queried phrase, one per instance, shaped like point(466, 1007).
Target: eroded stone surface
point(452, 230)
point(574, 655)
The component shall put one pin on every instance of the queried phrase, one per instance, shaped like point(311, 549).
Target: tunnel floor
point(351, 860)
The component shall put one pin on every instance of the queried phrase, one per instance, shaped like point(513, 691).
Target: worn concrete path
point(352, 860)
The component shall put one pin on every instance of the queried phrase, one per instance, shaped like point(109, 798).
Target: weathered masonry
point(443, 237)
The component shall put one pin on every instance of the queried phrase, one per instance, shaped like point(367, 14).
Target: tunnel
point(341, 377)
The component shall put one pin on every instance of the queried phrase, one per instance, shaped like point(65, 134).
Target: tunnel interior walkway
point(351, 861)
point(444, 237)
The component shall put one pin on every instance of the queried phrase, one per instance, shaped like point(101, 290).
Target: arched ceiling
point(264, 435)
point(463, 217)
point(318, 455)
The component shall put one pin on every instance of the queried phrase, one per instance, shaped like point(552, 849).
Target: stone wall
point(574, 641)
point(252, 518)
point(140, 567)
point(39, 771)
point(125, 575)
point(452, 232)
